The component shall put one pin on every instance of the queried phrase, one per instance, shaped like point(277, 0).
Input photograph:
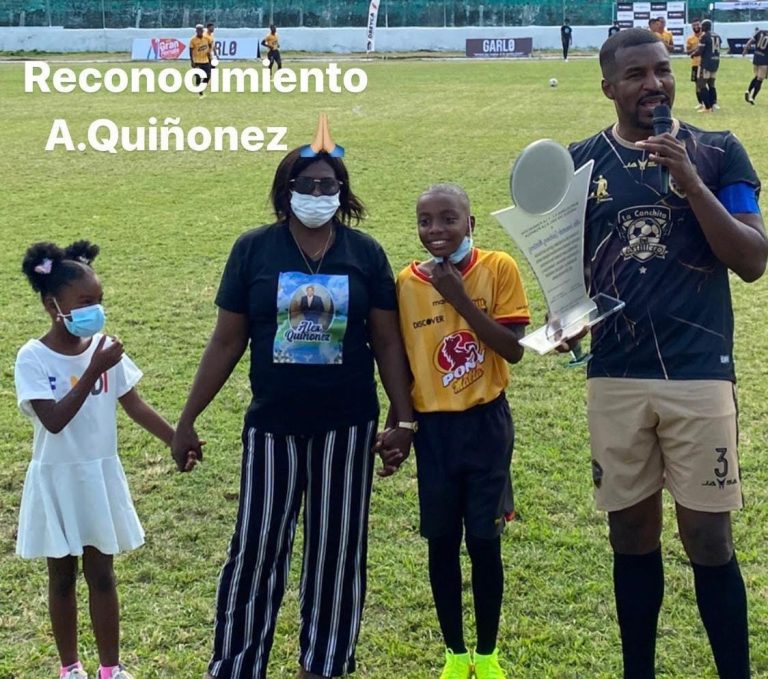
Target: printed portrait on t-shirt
point(311, 318)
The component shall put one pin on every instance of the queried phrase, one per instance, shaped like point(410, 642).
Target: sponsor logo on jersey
point(424, 322)
point(460, 359)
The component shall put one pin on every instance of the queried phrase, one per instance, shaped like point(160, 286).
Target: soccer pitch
point(165, 222)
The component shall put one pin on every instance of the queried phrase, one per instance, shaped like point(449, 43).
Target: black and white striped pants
point(333, 473)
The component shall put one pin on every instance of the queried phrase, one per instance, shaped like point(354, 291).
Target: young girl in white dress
point(76, 500)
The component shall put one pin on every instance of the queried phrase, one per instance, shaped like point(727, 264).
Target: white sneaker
point(76, 673)
point(121, 673)
point(716, 107)
point(699, 107)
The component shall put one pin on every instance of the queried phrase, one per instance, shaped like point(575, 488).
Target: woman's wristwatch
point(412, 426)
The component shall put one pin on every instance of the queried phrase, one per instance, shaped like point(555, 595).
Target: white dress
point(75, 492)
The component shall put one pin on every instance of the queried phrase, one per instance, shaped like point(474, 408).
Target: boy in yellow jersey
point(272, 43)
point(691, 45)
point(200, 53)
point(462, 315)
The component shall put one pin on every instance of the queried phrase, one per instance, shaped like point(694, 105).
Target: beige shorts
point(648, 434)
point(704, 74)
point(761, 72)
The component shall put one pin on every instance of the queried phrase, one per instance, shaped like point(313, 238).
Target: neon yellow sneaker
point(457, 665)
point(487, 666)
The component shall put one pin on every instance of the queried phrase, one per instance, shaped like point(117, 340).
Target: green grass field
point(166, 221)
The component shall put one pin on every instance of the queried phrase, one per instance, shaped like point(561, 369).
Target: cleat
point(487, 666)
point(457, 665)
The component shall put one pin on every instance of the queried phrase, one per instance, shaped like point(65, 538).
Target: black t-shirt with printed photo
point(565, 33)
point(312, 367)
point(646, 248)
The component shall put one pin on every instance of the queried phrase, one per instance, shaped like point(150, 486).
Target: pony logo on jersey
point(460, 358)
point(644, 228)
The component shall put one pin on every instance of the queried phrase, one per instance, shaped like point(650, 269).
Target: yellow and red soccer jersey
point(452, 370)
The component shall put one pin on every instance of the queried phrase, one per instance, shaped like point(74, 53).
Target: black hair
point(50, 268)
point(706, 25)
point(210, 23)
point(630, 37)
point(450, 189)
point(351, 208)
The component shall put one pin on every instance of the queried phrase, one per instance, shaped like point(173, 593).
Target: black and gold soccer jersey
point(710, 55)
point(646, 247)
point(760, 57)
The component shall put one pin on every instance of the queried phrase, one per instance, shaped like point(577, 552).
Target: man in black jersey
point(676, 213)
point(566, 37)
point(709, 51)
point(759, 64)
point(614, 29)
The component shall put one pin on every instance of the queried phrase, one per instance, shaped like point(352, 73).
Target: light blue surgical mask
point(85, 321)
point(463, 250)
point(314, 211)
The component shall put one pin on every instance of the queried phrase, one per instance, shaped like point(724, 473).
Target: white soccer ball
point(553, 82)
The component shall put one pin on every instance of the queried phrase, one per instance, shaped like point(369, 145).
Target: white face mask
point(314, 211)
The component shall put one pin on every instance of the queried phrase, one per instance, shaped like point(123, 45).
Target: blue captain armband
point(739, 198)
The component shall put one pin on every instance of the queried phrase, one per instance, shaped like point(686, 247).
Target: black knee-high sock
point(709, 98)
point(722, 601)
point(445, 579)
point(751, 85)
point(699, 98)
point(756, 90)
point(487, 590)
point(639, 586)
point(713, 96)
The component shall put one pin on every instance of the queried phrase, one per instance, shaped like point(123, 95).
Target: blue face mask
point(85, 321)
point(464, 249)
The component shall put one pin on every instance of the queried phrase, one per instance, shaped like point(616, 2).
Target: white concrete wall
point(57, 39)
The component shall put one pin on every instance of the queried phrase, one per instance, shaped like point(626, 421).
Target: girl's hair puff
point(49, 268)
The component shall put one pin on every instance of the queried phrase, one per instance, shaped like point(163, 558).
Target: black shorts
point(206, 68)
point(462, 463)
point(694, 73)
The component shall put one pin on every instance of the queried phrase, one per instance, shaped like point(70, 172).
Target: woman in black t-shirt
point(316, 299)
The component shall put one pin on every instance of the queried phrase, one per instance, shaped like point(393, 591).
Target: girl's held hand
point(389, 446)
point(186, 448)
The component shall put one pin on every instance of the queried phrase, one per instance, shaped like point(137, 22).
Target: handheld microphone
point(662, 122)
